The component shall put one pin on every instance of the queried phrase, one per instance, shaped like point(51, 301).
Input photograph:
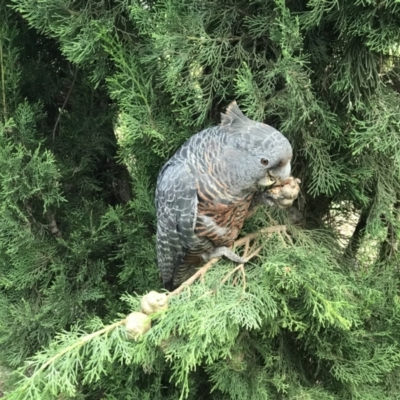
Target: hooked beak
point(274, 175)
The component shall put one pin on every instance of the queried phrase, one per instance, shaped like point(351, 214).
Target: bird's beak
point(266, 180)
point(281, 173)
point(276, 175)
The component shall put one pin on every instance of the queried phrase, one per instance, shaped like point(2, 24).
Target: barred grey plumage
point(205, 190)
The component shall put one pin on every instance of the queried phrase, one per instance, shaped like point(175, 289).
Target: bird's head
point(263, 153)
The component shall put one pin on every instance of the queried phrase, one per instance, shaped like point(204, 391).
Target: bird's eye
point(264, 161)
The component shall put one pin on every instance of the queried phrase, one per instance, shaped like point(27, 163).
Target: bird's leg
point(246, 257)
point(223, 251)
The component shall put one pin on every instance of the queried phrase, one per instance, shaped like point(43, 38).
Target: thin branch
point(79, 343)
point(268, 231)
point(208, 39)
point(253, 254)
point(201, 271)
point(3, 86)
point(230, 273)
point(244, 278)
point(64, 104)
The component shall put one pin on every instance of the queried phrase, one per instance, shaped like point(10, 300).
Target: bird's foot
point(250, 251)
point(226, 252)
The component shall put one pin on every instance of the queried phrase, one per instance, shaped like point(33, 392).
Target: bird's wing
point(176, 203)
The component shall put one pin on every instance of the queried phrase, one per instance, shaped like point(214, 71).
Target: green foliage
point(276, 336)
point(53, 255)
point(95, 96)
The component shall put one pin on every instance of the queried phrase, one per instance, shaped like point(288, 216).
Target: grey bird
point(206, 189)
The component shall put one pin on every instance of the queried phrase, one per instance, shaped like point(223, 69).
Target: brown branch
point(230, 273)
point(253, 254)
point(268, 231)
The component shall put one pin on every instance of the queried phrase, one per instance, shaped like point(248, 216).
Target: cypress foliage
point(95, 96)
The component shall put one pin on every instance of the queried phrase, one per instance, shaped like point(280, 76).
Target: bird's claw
point(224, 251)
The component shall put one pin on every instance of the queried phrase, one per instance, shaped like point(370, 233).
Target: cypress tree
point(96, 96)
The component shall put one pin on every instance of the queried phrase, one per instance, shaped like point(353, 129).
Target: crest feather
point(234, 119)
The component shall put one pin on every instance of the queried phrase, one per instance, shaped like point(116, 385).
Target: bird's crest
point(237, 124)
point(233, 119)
